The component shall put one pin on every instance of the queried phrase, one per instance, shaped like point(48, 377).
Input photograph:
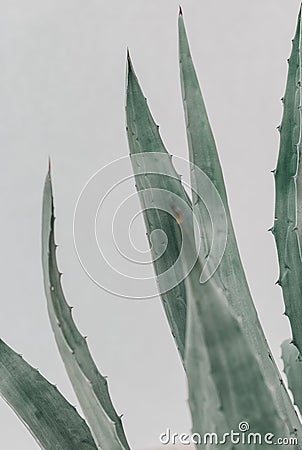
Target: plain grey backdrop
point(62, 81)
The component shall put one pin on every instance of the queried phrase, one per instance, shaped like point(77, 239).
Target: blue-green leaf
point(53, 422)
point(89, 385)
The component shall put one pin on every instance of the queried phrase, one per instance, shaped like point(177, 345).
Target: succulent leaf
point(287, 228)
point(219, 355)
point(53, 422)
point(226, 382)
point(229, 276)
point(293, 370)
point(90, 386)
point(150, 160)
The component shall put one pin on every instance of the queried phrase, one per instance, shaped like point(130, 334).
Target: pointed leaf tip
point(180, 10)
point(49, 166)
point(130, 69)
point(129, 62)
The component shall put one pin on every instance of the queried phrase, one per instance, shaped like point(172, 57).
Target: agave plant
point(232, 376)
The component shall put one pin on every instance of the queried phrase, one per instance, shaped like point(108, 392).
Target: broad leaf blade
point(89, 385)
point(229, 275)
point(226, 383)
point(239, 389)
point(54, 423)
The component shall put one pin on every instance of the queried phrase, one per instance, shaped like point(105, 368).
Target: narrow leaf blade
point(150, 161)
point(287, 227)
point(293, 370)
point(229, 276)
point(89, 385)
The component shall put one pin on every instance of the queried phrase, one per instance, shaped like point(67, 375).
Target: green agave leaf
point(229, 276)
point(287, 227)
point(219, 355)
point(53, 422)
point(226, 383)
point(293, 370)
point(89, 385)
point(150, 161)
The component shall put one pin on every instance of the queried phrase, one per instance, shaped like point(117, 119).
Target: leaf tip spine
point(180, 10)
point(49, 166)
point(129, 62)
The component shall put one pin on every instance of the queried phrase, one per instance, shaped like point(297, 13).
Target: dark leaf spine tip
point(180, 10)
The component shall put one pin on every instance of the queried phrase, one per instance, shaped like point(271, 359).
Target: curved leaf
point(89, 385)
point(230, 275)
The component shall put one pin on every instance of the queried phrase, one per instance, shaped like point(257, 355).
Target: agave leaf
point(89, 385)
point(53, 422)
point(204, 401)
point(293, 370)
point(287, 227)
point(240, 392)
point(226, 383)
point(229, 275)
point(150, 161)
